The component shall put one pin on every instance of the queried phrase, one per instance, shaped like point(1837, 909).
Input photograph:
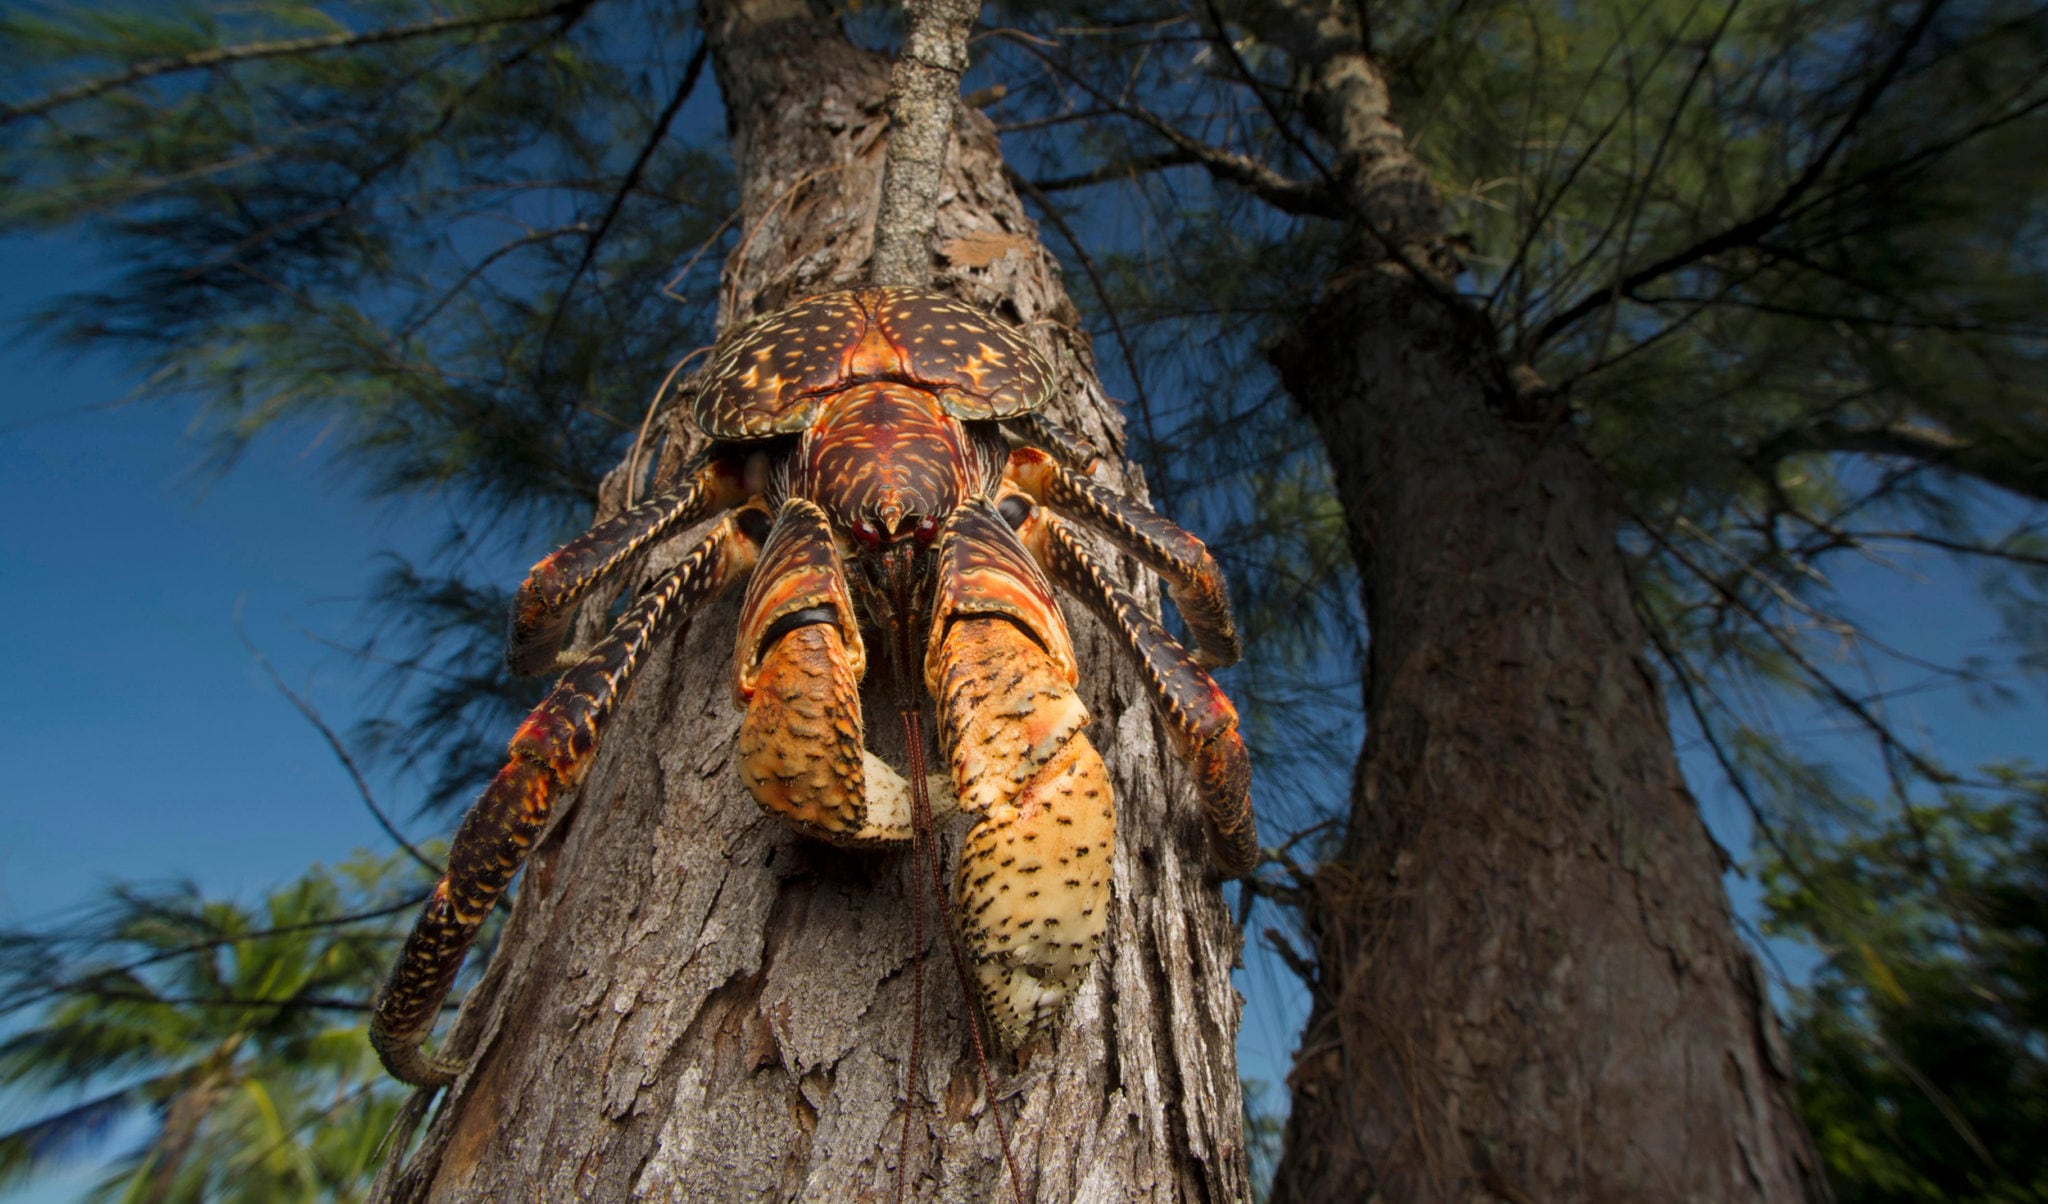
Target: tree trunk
point(692, 1003)
point(1529, 987)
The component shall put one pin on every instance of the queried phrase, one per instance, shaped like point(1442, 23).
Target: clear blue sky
point(142, 743)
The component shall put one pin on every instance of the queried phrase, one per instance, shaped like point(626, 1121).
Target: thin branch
point(1116, 327)
point(1119, 169)
point(1051, 119)
point(483, 265)
point(1682, 674)
point(1221, 38)
point(1887, 740)
point(19, 1002)
point(628, 185)
point(1285, 194)
point(1751, 229)
point(1947, 545)
point(1914, 441)
point(1648, 176)
point(217, 56)
point(320, 1003)
point(340, 751)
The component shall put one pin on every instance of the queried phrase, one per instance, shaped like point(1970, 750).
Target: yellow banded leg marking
point(1034, 880)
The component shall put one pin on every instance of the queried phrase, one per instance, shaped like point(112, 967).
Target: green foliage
point(237, 1034)
point(1781, 265)
point(1922, 1042)
point(436, 244)
point(1779, 262)
point(379, 240)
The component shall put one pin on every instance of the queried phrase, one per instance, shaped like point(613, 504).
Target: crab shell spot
point(738, 400)
point(1004, 375)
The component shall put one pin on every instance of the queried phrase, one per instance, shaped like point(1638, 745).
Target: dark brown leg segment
point(1040, 431)
point(546, 603)
point(1197, 712)
point(550, 754)
point(1191, 575)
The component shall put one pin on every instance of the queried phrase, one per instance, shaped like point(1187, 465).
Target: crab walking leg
point(550, 754)
point(1198, 714)
point(1033, 884)
point(546, 602)
point(1039, 429)
point(1192, 577)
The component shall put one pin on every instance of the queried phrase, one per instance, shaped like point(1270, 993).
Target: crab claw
point(1033, 886)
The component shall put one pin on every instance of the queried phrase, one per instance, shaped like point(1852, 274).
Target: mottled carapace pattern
point(897, 528)
point(771, 377)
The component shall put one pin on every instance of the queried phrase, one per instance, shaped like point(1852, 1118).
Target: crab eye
point(1015, 509)
point(927, 529)
point(869, 535)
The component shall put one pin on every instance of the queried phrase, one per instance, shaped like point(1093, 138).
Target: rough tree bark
point(692, 1003)
point(1529, 987)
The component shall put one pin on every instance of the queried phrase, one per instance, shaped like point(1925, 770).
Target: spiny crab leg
point(549, 756)
point(1038, 429)
point(1199, 716)
point(546, 602)
point(1192, 578)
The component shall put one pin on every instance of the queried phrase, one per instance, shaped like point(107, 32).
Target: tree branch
point(1916, 441)
point(1283, 193)
point(1881, 731)
point(1751, 229)
point(340, 751)
point(218, 56)
point(323, 1003)
point(18, 1002)
point(626, 186)
point(1119, 169)
point(1160, 485)
point(924, 95)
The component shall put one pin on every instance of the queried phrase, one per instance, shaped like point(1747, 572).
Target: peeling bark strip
point(1530, 987)
point(924, 96)
point(690, 1002)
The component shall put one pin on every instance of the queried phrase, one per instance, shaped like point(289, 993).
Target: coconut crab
point(865, 483)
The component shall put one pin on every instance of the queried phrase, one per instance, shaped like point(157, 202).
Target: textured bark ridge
point(1530, 986)
point(692, 1003)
